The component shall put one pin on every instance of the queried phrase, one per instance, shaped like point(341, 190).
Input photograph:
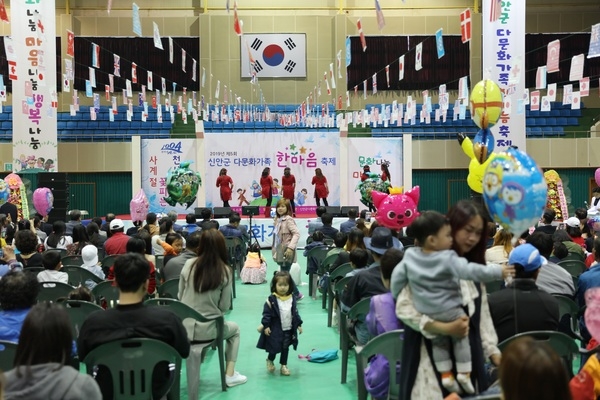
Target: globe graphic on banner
point(273, 55)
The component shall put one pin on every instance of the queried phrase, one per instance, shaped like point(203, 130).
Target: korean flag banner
point(275, 55)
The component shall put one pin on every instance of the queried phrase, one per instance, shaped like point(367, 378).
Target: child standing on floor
point(280, 323)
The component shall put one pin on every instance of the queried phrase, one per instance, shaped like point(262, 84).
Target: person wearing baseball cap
point(117, 243)
point(522, 307)
point(367, 282)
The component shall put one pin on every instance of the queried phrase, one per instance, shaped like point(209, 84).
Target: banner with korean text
point(246, 155)
point(374, 153)
point(170, 176)
point(32, 66)
point(503, 62)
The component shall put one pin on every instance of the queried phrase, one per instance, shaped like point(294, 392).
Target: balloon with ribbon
point(483, 145)
point(43, 200)
point(182, 185)
point(397, 210)
point(514, 190)
point(139, 206)
point(486, 103)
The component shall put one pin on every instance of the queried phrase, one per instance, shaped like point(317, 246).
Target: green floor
point(308, 380)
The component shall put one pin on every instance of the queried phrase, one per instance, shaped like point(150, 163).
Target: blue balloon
point(483, 145)
point(514, 191)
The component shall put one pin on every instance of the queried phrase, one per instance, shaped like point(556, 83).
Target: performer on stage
point(288, 185)
point(266, 184)
point(321, 188)
point(225, 183)
point(385, 172)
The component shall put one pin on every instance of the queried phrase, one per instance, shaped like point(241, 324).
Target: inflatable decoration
point(514, 191)
point(396, 209)
point(592, 311)
point(483, 145)
point(43, 199)
point(476, 169)
point(4, 191)
point(597, 176)
point(372, 183)
point(14, 181)
point(182, 185)
point(139, 206)
point(486, 104)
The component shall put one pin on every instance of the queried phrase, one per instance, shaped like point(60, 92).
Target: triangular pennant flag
point(95, 55)
point(156, 36)
point(117, 65)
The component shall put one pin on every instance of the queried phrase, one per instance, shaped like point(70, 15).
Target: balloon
point(592, 311)
point(597, 176)
point(396, 210)
point(43, 200)
point(4, 192)
point(486, 103)
point(139, 206)
point(366, 187)
point(514, 190)
point(14, 181)
point(484, 145)
point(182, 185)
point(476, 169)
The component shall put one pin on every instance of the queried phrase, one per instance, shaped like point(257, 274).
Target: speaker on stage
point(222, 212)
point(333, 210)
point(344, 210)
point(198, 212)
point(58, 183)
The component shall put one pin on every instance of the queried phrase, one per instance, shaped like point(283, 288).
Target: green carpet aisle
point(308, 380)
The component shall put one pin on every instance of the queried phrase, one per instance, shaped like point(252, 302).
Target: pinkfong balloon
point(514, 190)
point(43, 200)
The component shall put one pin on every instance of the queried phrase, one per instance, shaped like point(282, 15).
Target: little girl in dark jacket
point(280, 322)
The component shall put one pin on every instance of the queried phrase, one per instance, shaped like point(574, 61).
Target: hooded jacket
point(50, 382)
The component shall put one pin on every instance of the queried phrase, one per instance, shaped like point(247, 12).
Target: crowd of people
point(431, 280)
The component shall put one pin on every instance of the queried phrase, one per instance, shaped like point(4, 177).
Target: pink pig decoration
point(139, 206)
point(396, 210)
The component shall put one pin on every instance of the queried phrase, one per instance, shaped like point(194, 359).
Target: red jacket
point(116, 244)
point(586, 384)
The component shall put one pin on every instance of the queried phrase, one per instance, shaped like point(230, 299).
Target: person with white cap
point(117, 243)
point(89, 255)
point(522, 307)
point(573, 228)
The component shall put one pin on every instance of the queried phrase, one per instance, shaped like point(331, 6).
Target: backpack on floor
point(321, 356)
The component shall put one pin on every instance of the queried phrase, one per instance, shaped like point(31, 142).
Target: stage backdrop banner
point(177, 157)
point(503, 62)
point(367, 151)
point(275, 55)
point(246, 155)
point(31, 66)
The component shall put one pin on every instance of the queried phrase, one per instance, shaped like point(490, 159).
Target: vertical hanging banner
point(504, 41)
point(34, 127)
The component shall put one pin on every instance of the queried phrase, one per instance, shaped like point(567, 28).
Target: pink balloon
point(396, 210)
point(43, 200)
point(592, 312)
point(597, 176)
point(139, 206)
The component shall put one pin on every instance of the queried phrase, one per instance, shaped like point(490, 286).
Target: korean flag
point(273, 55)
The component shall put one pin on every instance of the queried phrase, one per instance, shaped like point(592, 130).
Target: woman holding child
point(418, 376)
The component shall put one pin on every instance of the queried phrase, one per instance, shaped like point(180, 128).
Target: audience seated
point(131, 319)
point(316, 224)
point(546, 224)
point(588, 280)
point(52, 266)
point(561, 236)
point(190, 224)
point(117, 242)
point(58, 239)
point(234, 229)
point(37, 225)
point(207, 223)
point(346, 226)
point(74, 220)
point(172, 215)
point(339, 240)
point(165, 226)
point(552, 278)
point(355, 239)
point(501, 248)
point(44, 225)
point(27, 243)
point(151, 226)
point(312, 263)
point(41, 366)
point(359, 260)
point(18, 293)
point(95, 234)
point(172, 268)
point(522, 307)
point(328, 230)
point(89, 256)
point(80, 240)
point(172, 246)
point(106, 225)
point(573, 229)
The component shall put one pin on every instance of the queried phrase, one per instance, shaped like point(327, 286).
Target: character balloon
point(484, 145)
point(43, 200)
point(514, 191)
point(372, 183)
point(182, 185)
point(139, 206)
point(486, 104)
point(4, 192)
point(396, 210)
point(476, 168)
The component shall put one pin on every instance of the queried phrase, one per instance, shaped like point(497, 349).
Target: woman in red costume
point(225, 183)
